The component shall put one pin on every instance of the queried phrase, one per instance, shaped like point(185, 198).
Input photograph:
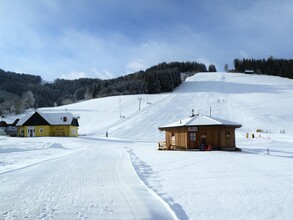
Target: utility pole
point(139, 99)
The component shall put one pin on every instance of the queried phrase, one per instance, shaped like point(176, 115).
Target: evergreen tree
point(164, 77)
point(226, 69)
point(270, 66)
point(212, 68)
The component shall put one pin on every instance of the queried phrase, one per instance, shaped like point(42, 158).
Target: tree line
point(21, 91)
point(270, 66)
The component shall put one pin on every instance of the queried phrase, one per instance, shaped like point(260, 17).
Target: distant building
point(249, 71)
point(8, 129)
point(3, 126)
point(200, 132)
point(40, 124)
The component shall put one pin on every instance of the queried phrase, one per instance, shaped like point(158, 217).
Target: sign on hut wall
point(192, 129)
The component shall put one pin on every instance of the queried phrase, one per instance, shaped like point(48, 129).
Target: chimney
point(192, 113)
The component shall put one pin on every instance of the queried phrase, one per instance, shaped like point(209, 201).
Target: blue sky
point(109, 38)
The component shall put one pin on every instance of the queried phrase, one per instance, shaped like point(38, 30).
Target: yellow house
point(40, 124)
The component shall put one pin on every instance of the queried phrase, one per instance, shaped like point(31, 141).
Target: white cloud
point(53, 39)
point(135, 66)
point(74, 75)
point(149, 44)
point(243, 54)
point(104, 74)
point(203, 60)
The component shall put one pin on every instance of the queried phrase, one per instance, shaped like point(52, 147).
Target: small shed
point(3, 126)
point(249, 71)
point(8, 129)
point(41, 124)
point(200, 131)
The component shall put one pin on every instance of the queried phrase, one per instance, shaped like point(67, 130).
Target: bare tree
point(17, 106)
point(28, 99)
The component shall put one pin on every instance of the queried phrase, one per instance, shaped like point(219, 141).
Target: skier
point(107, 134)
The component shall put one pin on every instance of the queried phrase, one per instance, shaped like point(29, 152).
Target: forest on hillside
point(21, 91)
point(270, 66)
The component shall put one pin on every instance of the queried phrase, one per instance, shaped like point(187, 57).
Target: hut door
point(192, 140)
point(203, 139)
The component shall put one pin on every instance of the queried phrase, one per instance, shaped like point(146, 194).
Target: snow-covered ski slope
point(98, 183)
point(255, 101)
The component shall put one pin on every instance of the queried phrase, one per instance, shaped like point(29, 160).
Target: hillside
point(91, 175)
point(255, 101)
point(164, 77)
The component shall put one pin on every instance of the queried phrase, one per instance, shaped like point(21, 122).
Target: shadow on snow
point(145, 173)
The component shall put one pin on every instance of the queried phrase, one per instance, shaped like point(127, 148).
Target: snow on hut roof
point(201, 120)
point(53, 118)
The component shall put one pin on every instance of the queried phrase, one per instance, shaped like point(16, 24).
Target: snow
point(53, 118)
point(199, 119)
point(125, 176)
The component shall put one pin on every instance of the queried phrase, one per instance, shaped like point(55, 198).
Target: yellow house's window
point(21, 132)
point(41, 130)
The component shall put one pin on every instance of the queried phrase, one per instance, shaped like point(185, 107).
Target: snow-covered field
point(92, 177)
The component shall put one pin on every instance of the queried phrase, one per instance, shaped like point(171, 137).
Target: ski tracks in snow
point(94, 183)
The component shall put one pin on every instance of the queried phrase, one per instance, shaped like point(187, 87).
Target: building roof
point(3, 124)
point(201, 120)
point(62, 118)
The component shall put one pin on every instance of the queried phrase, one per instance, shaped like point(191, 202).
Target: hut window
point(203, 134)
point(64, 119)
point(228, 134)
point(192, 136)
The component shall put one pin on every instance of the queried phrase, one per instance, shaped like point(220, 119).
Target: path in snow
point(94, 183)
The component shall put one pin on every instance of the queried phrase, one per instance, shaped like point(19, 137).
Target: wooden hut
point(200, 132)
